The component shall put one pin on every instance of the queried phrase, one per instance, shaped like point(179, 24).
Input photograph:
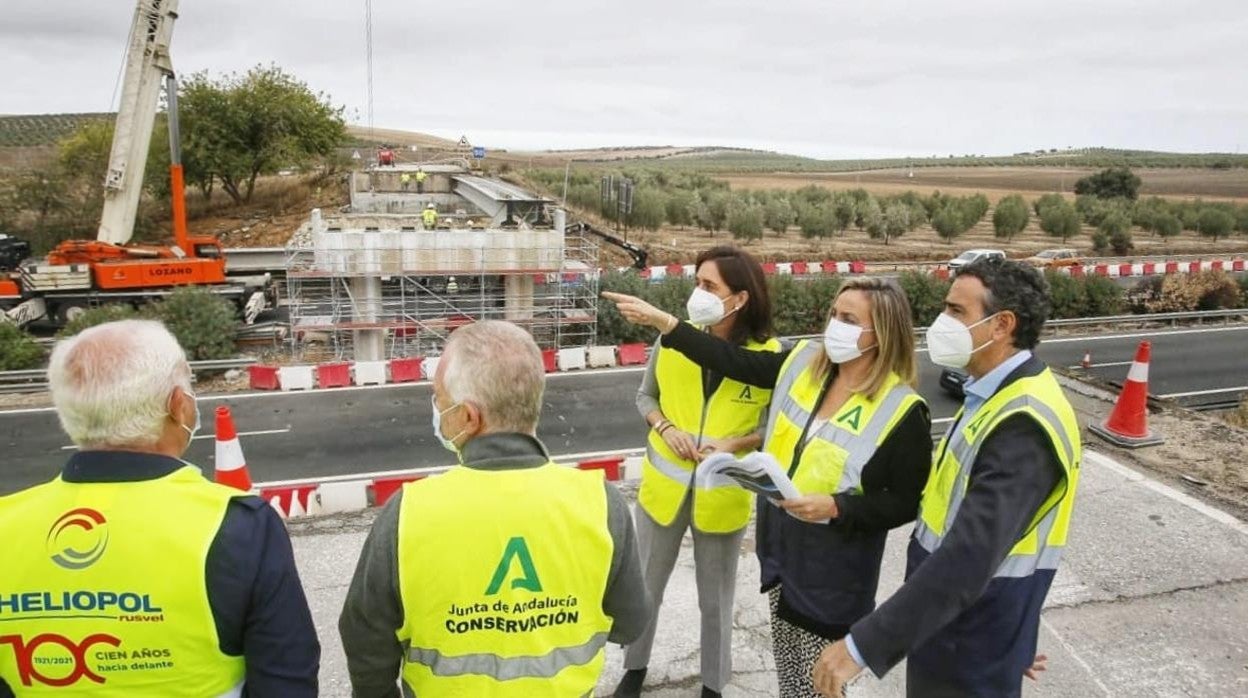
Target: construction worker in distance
point(134, 573)
point(420, 180)
point(994, 517)
point(405, 180)
point(507, 574)
point(429, 216)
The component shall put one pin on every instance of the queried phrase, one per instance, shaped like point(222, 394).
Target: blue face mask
point(448, 444)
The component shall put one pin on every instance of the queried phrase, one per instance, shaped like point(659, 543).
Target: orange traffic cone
point(1127, 425)
point(231, 466)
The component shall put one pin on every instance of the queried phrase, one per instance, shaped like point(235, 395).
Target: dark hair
point(1018, 288)
point(741, 272)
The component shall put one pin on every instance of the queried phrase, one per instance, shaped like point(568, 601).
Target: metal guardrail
point(34, 381)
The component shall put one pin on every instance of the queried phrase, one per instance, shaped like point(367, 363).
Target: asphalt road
point(355, 431)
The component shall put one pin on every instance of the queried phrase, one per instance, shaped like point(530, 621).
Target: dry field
point(997, 182)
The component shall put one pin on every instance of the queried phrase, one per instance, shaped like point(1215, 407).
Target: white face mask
point(840, 341)
point(706, 308)
point(949, 342)
point(190, 431)
point(448, 444)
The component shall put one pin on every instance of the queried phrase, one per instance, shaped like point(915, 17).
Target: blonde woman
point(855, 438)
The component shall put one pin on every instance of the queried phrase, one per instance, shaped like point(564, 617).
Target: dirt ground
point(997, 182)
point(1203, 455)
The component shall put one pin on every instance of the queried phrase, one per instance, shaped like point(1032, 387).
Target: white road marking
point(261, 432)
point(1215, 391)
point(1075, 655)
point(1167, 491)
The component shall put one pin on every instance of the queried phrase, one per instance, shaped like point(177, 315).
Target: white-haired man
point(130, 574)
point(506, 575)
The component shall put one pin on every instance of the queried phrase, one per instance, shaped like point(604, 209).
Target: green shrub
point(926, 294)
point(1206, 290)
point(801, 307)
point(97, 316)
point(612, 328)
point(1083, 296)
point(18, 350)
point(204, 323)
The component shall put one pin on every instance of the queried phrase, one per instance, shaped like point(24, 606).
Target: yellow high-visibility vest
point(834, 455)
point(103, 591)
point(735, 409)
point(502, 575)
point(1041, 397)
point(429, 217)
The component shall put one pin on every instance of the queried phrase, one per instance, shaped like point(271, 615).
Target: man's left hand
point(834, 669)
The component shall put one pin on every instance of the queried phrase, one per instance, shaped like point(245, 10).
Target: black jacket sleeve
point(757, 368)
point(258, 603)
point(1013, 474)
point(893, 480)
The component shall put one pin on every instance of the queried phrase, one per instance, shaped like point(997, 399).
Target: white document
point(758, 472)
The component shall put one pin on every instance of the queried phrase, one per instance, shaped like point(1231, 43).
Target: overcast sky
point(825, 78)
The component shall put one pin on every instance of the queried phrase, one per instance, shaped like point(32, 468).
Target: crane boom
point(147, 62)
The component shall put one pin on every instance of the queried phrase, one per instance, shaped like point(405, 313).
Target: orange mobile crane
point(84, 273)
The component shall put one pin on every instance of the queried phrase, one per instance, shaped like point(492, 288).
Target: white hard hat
point(430, 205)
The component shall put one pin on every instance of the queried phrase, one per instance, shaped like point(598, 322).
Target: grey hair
point(111, 383)
point(496, 366)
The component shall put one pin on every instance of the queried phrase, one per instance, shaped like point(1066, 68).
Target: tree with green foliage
point(1215, 223)
point(779, 215)
point(894, 223)
point(649, 208)
point(681, 206)
point(1010, 217)
point(870, 215)
point(97, 316)
point(1167, 225)
point(1116, 229)
point(1060, 220)
point(18, 350)
point(1110, 183)
point(745, 222)
point(1241, 219)
point(1047, 200)
point(844, 211)
point(239, 127)
point(948, 223)
point(717, 209)
point(817, 221)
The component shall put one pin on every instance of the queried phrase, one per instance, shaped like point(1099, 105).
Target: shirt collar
point(504, 451)
point(118, 466)
point(987, 385)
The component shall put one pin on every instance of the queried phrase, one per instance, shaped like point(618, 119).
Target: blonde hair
point(894, 335)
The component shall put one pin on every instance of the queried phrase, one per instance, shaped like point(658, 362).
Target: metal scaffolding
point(373, 286)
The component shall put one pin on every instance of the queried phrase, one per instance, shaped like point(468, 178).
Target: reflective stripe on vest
point(850, 450)
point(508, 668)
point(103, 592)
point(501, 577)
point(733, 410)
point(1041, 546)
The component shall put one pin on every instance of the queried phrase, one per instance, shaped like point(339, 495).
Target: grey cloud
point(845, 78)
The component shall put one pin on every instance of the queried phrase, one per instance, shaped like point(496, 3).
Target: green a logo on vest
point(745, 393)
point(976, 425)
point(527, 579)
point(851, 418)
